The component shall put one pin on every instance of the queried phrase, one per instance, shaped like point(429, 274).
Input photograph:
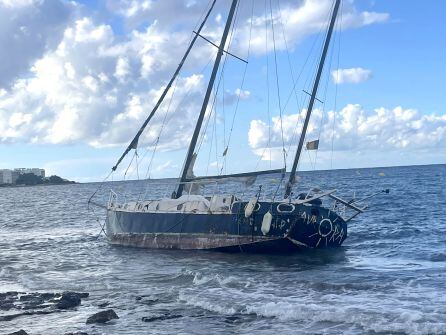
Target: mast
point(312, 99)
point(134, 143)
point(193, 143)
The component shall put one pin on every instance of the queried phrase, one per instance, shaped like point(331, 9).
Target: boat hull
point(292, 229)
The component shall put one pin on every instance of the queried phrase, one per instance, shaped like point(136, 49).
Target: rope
point(243, 76)
point(336, 88)
point(277, 84)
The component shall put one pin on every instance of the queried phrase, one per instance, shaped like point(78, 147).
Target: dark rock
point(30, 296)
point(161, 317)
point(232, 319)
point(69, 300)
point(20, 332)
point(103, 304)
point(102, 317)
point(84, 295)
point(6, 306)
point(138, 298)
point(150, 301)
point(48, 296)
point(77, 333)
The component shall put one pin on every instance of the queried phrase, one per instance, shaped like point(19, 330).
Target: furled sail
point(248, 178)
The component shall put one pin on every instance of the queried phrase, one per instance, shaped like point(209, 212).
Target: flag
point(313, 145)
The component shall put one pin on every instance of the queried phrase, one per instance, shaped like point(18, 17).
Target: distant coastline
point(29, 179)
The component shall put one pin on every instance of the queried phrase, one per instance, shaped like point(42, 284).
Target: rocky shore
point(15, 305)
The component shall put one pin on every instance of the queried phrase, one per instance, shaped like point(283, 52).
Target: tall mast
point(193, 143)
point(290, 182)
point(134, 143)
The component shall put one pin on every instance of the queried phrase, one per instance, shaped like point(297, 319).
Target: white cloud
point(354, 75)
point(89, 84)
point(355, 129)
point(29, 28)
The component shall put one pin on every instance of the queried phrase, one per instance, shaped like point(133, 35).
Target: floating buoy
point(250, 207)
point(266, 223)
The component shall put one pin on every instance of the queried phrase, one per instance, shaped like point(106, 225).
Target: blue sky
point(78, 78)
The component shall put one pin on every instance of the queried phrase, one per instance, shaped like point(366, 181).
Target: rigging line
point(277, 84)
point(136, 161)
point(216, 141)
point(293, 89)
point(287, 52)
point(304, 101)
point(307, 80)
point(176, 82)
point(230, 39)
point(243, 76)
point(327, 72)
point(268, 144)
point(128, 167)
point(298, 102)
point(267, 83)
point(210, 150)
point(336, 86)
point(212, 109)
point(134, 143)
point(292, 176)
point(211, 57)
point(99, 187)
point(162, 128)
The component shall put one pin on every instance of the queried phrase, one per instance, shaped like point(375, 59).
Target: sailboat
point(228, 222)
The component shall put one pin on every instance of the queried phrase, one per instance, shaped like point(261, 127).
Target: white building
point(8, 176)
point(35, 171)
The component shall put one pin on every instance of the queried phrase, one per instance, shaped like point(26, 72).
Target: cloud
point(29, 28)
point(354, 75)
point(355, 129)
point(83, 82)
point(94, 89)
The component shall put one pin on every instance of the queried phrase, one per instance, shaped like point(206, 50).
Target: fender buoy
point(266, 223)
point(250, 207)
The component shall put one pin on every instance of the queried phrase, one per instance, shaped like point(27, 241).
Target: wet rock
point(20, 332)
point(232, 319)
point(77, 333)
point(69, 300)
point(14, 316)
point(6, 306)
point(102, 317)
point(161, 317)
point(138, 298)
point(150, 301)
point(103, 304)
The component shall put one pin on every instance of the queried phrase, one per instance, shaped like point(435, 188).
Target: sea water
point(388, 278)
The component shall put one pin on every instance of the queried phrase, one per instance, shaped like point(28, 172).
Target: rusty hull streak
point(183, 241)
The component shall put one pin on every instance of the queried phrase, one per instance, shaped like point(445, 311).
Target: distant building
point(35, 171)
point(8, 176)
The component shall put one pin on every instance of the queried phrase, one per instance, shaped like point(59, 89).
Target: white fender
point(266, 223)
point(250, 207)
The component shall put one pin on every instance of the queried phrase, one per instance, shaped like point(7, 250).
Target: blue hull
point(292, 228)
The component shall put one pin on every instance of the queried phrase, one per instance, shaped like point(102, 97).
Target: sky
point(78, 78)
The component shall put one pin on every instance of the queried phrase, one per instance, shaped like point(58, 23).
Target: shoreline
point(45, 184)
